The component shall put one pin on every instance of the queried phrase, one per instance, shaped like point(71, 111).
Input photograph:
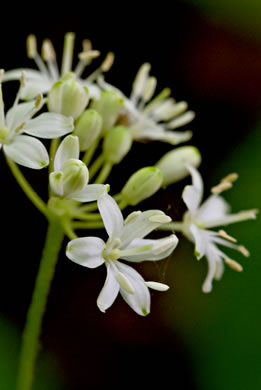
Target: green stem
point(69, 230)
point(88, 225)
point(104, 173)
point(31, 334)
point(87, 216)
point(117, 197)
point(96, 166)
point(28, 190)
point(90, 152)
point(176, 226)
point(89, 207)
point(122, 204)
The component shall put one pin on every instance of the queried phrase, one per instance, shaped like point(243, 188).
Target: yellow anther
point(230, 178)
point(226, 185)
point(108, 62)
point(224, 234)
point(31, 46)
point(48, 52)
point(86, 45)
point(245, 252)
point(234, 265)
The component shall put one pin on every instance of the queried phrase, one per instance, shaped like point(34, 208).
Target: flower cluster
point(92, 126)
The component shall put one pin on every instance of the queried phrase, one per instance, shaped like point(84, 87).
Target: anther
point(226, 185)
point(244, 251)
point(38, 100)
point(31, 46)
point(86, 45)
point(48, 52)
point(23, 79)
point(234, 265)
point(108, 62)
point(224, 234)
point(89, 55)
point(232, 177)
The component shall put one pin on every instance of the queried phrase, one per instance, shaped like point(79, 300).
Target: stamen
point(224, 234)
point(108, 62)
point(157, 286)
point(89, 55)
point(244, 251)
point(234, 265)
point(48, 52)
point(23, 79)
point(67, 52)
point(31, 46)
point(149, 89)
point(182, 120)
point(139, 82)
point(38, 100)
point(20, 127)
point(125, 283)
point(232, 177)
point(155, 101)
point(226, 185)
point(86, 45)
point(160, 218)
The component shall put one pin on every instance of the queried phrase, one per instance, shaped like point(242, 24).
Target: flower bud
point(73, 177)
point(68, 97)
point(88, 127)
point(173, 164)
point(108, 105)
point(117, 143)
point(141, 185)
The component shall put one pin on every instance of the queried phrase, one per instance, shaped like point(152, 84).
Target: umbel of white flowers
point(125, 242)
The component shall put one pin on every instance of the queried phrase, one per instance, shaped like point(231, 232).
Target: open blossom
point(201, 218)
point(70, 177)
point(23, 149)
point(125, 242)
point(42, 80)
point(151, 118)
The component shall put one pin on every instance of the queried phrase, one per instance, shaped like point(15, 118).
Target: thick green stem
point(90, 152)
point(26, 187)
point(104, 173)
point(32, 330)
point(96, 166)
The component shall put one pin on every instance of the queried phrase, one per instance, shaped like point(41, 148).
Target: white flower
point(153, 119)
point(42, 80)
point(125, 242)
point(211, 213)
point(70, 177)
point(25, 150)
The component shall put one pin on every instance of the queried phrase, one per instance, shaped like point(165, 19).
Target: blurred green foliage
point(240, 15)
point(46, 377)
point(222, 329)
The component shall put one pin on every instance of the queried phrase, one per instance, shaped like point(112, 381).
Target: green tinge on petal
point(49, 125)
point(90, 193)
point(27, 151)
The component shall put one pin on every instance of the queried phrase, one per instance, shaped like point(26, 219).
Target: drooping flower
point(42, 80)
point(125, 242)
point(201, 218)
point(69, 180)
point(23, 149)
point(151, 118)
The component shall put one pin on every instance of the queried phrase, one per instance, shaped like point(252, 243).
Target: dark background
point(209, 55)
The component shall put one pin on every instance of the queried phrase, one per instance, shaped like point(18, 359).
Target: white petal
point(15, 74)
point(35, 87)
point(200, 239)
point(215, 207)
point(49, 125)
point(140, 226)
point(192, 195)
point(111, 216)
point(27, 151)
point(56, 182)
point(86, 251)
point(139, 301)
point(68, 148)
point(19, 113)
point(151, 250)
point(90, 193)
point(213, 260)
point(109, 291)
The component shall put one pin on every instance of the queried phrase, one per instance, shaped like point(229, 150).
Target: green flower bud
point(117, 143)
point(88, 127)
point(73, 177)
point(173, 164)
point(108, 105)
point(141, 185)
point(68, 97)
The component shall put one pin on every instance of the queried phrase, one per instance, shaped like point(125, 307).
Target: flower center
point(3, 134)
point(111, 251)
